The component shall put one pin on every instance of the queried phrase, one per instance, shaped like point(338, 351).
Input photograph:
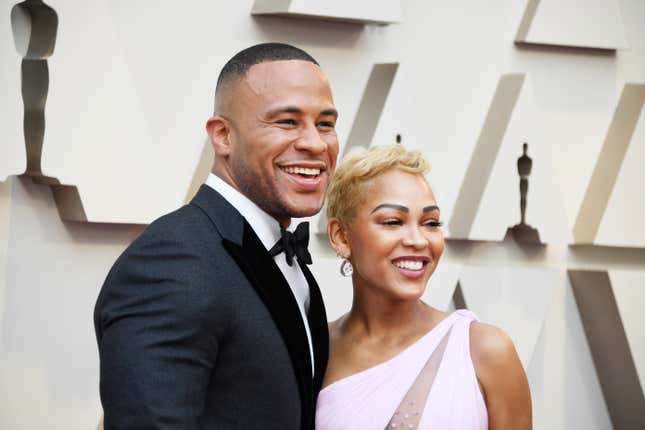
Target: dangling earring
point(346, 268)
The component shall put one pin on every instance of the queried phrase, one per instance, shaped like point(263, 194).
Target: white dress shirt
point(268, 231)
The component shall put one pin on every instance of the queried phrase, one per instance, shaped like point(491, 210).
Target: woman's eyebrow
point(431, 208)
point(391, 206)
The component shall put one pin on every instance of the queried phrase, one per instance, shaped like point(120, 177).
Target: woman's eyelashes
point(397, 222)
point(392, 222)
point(433, 223)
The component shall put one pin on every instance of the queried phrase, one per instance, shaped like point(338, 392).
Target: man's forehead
point(269, 76)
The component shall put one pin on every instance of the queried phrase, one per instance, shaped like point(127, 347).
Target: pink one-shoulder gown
point(373, 399)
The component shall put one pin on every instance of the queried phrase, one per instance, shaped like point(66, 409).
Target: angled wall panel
point(5, 223)
point(366, 121)
point(514, 299)
point(441, 287)
point(610, 162)
point(489, 200)
point(628, 287)
point(565, 390)
point(622, 221)
point(574, 23)
point(378, 11)
point(609, 347)
point(500, 201)
point(125, 125)
point(483, 157)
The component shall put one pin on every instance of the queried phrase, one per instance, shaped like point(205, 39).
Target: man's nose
point(311, 140)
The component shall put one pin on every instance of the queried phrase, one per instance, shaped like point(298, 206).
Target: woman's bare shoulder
point(490, 345)
point(501, 377)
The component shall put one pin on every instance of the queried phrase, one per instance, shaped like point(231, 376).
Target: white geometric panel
point(628, 289)
point(441, 286)
point(565, 390)
point(499, 207)
point(483, 155)
point(5, 222)
point(613, 162)
point(378, 11)
point(516, 299)
point(575, 23)
point(13, 159)
point(622, 222)
point(396, 117)
point(370, 115)
point(97, 135)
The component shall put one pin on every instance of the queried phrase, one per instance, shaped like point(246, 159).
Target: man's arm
point(155, 349)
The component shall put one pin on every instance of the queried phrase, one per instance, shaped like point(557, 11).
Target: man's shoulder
point(186, 231)
point(187, 220)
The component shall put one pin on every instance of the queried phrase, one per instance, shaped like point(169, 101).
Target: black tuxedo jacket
point(198, 329)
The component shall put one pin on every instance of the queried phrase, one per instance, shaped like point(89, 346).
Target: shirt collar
point(264, 225)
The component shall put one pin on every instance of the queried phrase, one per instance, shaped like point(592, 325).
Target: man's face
point(283, 143)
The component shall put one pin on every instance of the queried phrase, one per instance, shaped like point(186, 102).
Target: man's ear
point(218, 129)
point(338, 237)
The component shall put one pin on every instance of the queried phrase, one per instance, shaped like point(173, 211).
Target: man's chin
point(301, 208)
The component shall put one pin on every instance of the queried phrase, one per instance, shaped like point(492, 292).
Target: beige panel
point(369, 113)
point(48, 356)
point(5, 222)
point(12, 147)
point(483, 157)
point(622, 221)
point(628, 287)
point(442, 284)
point(609, 348)
point(565, 390)
point(576, 23)
point(516, 299)
point(378, 12)
point(608, 165)
point(499, 208)
point(202, 170)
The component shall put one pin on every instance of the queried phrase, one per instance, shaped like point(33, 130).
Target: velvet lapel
point(318, 326)
point(254, 261)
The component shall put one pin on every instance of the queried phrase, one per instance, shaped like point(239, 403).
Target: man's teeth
point(410, 265)
point(302, 171)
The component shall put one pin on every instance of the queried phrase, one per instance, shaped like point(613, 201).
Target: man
point(199, 326)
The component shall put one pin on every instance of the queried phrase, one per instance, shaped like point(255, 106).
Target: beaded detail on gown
point(376, 397)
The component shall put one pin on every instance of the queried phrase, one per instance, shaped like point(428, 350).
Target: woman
point(396, 362)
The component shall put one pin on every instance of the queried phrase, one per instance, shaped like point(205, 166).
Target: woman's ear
point(218, 129)
point(338, 237)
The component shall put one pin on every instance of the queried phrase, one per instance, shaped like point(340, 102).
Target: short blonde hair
point(347, 188)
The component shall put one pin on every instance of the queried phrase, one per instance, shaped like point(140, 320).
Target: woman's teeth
point(410, 265)
point(302, 171)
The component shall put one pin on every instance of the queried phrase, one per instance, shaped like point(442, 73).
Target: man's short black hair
point(242, 61)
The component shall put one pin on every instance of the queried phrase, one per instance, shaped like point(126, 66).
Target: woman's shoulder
point(501, 376)
point(495, 360)
point(490, 346)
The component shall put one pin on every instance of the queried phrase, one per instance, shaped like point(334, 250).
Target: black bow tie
point(293, 244)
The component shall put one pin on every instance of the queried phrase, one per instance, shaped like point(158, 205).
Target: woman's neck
point(380, 318)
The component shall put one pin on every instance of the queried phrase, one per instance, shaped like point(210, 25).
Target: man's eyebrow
point(391, 206)
point(431, 208)
point(284, 109)
point(296, 110)
point(331, 111)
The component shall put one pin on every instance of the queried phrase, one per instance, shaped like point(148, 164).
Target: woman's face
point(395, 239)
